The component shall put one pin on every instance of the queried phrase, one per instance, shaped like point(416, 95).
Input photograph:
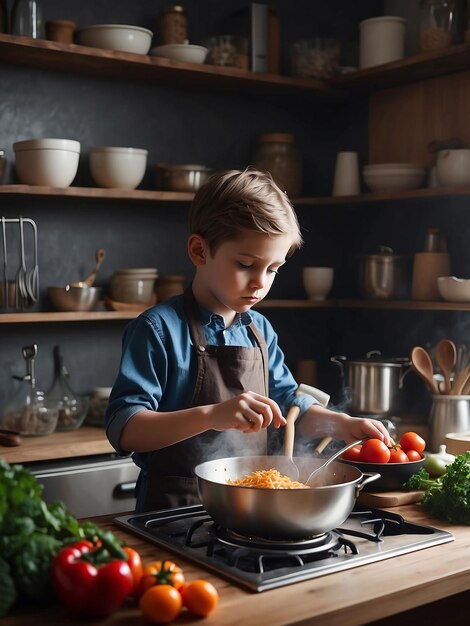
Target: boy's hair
point(234, 201)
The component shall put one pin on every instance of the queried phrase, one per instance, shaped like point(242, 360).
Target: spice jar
point(277, 154)
point(435, 24)
point(173, 25)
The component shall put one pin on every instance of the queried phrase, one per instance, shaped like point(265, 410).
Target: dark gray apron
point(222, 373)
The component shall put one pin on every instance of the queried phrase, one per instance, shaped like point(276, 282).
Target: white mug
point(346, 180)
point(318, 282)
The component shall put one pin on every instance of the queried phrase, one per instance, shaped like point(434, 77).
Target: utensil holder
point(449, 414)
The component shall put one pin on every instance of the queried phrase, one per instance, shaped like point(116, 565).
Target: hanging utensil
point(88, 282)
point(21, 291)
point(446, 357)
point(32, 276)
point(315, 478)
point(422, 364)
point(289, 436)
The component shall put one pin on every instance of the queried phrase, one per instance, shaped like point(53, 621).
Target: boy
point(201, 375)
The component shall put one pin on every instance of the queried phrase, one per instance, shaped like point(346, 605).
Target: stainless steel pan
point(278, 513)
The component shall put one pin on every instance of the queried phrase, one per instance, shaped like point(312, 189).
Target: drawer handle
point(124, 490)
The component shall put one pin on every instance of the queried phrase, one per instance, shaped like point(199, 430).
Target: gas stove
point(368, 535)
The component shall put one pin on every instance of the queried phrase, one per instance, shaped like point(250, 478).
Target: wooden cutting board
point(388, 499)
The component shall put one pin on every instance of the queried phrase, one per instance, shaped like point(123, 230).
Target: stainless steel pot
point(385, 275)
point(449, 414)
point(278, 513)
point(373, 382)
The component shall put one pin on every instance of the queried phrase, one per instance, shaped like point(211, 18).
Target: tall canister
point(381, 40)
point(449, 414)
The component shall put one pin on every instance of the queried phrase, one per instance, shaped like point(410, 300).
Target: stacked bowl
point(134, 286)
point(393, 176)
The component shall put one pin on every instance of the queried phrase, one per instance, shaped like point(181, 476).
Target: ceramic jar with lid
point(277, 154)
point(173, 25)
point(435, 24)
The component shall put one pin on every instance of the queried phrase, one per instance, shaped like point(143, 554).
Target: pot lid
point(374, 357)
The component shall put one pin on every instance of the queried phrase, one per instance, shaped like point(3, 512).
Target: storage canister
point(381, 40)
point(173, 25)
point(277, 154)
point(384, 275)
point(435, 24)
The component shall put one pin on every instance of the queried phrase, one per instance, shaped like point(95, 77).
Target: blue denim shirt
point(158, 365)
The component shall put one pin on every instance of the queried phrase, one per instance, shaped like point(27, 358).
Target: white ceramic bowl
point(50, 162)
point(318, 282)
point(115, 167)
point(393, 180)
point(188, 53)
point(116, 37)
point(453, 168)
point(457, 443)
point(454, 289)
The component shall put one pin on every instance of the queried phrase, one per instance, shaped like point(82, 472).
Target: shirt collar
point(208, 317)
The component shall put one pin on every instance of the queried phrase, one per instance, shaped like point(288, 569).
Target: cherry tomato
point(412, 441)
point(353, 454)
point(134, 561)
point(374, 451)
point(413, 455)
point(161, 604)
point(161, 573)
point(200, 597)
point(397, 455)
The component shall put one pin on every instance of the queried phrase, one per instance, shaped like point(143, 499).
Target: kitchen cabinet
point(377, 84)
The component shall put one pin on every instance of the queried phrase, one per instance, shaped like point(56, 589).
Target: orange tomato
point(412, 441)
point(374, 451)
point(134, 561)
point(161, 573)
point(161, 604)
point(413, 455)
point(200, 597)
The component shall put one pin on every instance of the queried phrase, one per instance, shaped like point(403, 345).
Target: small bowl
point(393, 178)
point(457, 443)
point(317, 281)
point(121, 37)
point(49, 162)
point(132, 289)
point(454, 289)
point(392, 475)
point(114, 167)
point(74, 298)
point(188, 53)
point(186, 178)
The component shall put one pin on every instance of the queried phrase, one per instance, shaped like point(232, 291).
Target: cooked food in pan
point(267, 479)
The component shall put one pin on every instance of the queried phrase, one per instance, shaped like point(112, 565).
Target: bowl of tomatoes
point(395, 463)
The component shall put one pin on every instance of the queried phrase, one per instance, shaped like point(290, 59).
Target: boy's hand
point(249, 412)
point(359, 428)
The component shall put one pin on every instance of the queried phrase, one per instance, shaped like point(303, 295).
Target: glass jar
point(277, 154)
point(173, 25)
point(27, 19)
point(71, 408)
point(435, 24)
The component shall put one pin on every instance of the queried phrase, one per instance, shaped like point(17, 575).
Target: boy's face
point(241, 272)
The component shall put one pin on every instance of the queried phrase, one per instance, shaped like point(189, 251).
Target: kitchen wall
point(187, 126)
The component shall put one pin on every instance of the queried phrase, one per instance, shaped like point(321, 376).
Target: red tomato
point(353, 454)
point(397, 455)
point(413, 455)
point(374, 451)
point(134, 561)
point(412, 441)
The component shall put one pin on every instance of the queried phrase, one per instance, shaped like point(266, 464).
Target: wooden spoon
point(460, 381)
point(88, 282)
point(289, 436)
point(422, 364)
point(446, 356)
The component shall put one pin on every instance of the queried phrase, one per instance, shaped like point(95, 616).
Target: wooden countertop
point(85, 441)
point(364, 595)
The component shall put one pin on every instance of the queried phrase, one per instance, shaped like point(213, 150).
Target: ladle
point(88, 282)
point(422, 364)
point(446, 356)
point(312, 480)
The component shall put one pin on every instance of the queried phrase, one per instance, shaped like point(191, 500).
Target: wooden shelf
point(411, 69)
point(103, 316)
point(72, 58)
point(93, 193)
point(144, 195)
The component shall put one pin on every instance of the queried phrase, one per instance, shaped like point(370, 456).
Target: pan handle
point(366, 479)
